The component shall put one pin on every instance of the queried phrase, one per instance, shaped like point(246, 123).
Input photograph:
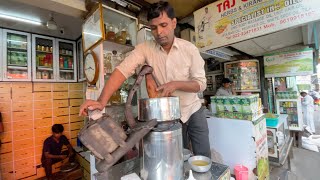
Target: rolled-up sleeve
point(197, 72)
point(134, 60)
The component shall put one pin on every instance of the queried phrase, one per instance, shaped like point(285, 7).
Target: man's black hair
point(226, 80)
point(57, 128)
point(157, 8)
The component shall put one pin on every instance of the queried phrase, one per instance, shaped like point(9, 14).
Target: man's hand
point(167, 89)
point(62, 156)
point(90, 105)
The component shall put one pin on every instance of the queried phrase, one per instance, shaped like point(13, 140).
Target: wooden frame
point(96, 62)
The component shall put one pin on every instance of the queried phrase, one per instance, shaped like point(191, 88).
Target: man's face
point(57, 135)
point(226, 85)
point(162, 29)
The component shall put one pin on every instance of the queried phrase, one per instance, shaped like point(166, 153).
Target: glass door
point(1, 63)
point(43, 58)
point(291, 109)
point(67, 66)
point(80, 61)
point(16, 56)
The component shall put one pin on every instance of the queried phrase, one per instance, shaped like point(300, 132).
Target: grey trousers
point(196, 130)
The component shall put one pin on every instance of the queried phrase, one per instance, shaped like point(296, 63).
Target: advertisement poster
point(297, 63)
point(229, 21)
point(260, 133)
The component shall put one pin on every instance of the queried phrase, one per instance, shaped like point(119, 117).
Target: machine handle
point(146, 69)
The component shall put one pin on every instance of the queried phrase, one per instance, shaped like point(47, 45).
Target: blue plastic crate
point(272, 122)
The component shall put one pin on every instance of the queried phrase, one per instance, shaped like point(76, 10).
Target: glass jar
point(128, 40)
point(111, 35)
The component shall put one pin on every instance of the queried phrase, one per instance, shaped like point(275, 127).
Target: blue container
point(272, 122)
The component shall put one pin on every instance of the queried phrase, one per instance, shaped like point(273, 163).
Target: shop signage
point(294, 63)
point(218, 54)
point(229, 21)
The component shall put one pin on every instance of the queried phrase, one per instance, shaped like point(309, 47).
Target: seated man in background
point(226, 89)
point(52, 147)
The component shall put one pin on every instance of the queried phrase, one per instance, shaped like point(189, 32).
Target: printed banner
point(229, 21)
point(297, 63)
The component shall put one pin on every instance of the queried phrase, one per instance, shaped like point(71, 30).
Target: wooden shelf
point(113, 46)
point(16, 49)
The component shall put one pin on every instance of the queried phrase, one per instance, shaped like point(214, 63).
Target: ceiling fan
point(51, 24)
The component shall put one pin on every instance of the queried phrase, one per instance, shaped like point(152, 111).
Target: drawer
point(86, 175)
point(5, 158)
point(5, 87)
point(7, 127)
point(76, 94)
point(66, 127)
point(7, 176)
point(5, 97)
point(7, 167)
point(73, 142)
point(23, 144)
point(75, 86)
point(38, 160)
point(76, 102)
point(74, 110)
point(76, 118)
point(19, 125)
point(24, 134)
point(6, 117)
point(39, 140)
point(5, 106)
point(21, 87)
point(24, 163)
point(32, 177)
point(43, 113)
point(23, 154)
point(61, 120)
point(46, 122)
point(60, 103)
point(41, 172)
point(22, 96)
point(60, 95)
point(22, 116)
point(43, 104)
point(41, 87)
point(74, 134)
point(5, 148)
point(38, 150)
point(67, 134)
point(22, 106)
point(60, 111)
point(5, 137)
point(40, 96)
point(60, 87)
point(76, 125)
point(43, 131)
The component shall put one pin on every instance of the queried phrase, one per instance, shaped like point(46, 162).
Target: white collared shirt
point(182, 63)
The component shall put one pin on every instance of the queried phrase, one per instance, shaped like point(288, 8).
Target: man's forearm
point(188, 86)
point(113, 84)
point(51, 156)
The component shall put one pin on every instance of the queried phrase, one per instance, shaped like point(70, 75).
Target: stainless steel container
point(163, 154)
point(161, 109)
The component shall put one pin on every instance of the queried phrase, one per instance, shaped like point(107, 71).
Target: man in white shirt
point(178, 71)
point(308, 110)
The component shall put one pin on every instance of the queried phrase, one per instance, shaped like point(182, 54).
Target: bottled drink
point(111, 35)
